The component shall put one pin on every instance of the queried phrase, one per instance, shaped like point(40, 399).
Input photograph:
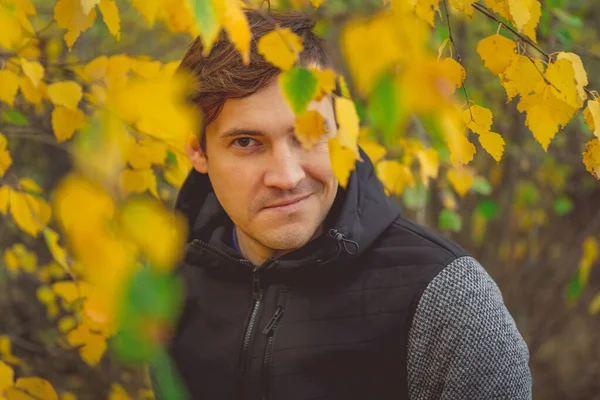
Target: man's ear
point(196, 155)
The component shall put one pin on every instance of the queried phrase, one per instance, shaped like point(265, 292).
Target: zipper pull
point(255, 285)
point(273, 321)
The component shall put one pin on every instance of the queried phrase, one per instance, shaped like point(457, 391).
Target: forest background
point(82, 83)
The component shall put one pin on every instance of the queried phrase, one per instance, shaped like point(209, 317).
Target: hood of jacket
point(360, 214)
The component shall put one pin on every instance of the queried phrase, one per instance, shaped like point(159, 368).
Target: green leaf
point(151, 305)
point(299, 86)
point(488, 208)
point(166, 380)
point(482, 186)
point(14, 117)
point(416, 197)
point(171, 158)
point(207, 21)
point(563, 206)
point(450, 220)
point(567, 18)
point(384, 107)
point(575, 287)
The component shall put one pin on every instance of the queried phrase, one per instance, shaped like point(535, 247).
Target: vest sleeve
point(463, 343)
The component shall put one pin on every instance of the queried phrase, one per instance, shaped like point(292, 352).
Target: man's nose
point(285, 169)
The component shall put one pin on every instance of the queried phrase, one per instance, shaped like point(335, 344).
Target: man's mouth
point(287, 203)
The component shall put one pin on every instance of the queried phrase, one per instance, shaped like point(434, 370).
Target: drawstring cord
point(341, 240)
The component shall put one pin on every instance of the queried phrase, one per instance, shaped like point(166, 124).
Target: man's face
point(276, 192)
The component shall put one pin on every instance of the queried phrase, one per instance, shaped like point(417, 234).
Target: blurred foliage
point(94, 141)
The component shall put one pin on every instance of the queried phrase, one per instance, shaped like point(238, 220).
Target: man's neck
point(256, 252)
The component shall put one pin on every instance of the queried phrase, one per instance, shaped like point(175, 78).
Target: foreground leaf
point(299, 86)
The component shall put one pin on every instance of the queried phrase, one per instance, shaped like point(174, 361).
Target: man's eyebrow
point(240, 132)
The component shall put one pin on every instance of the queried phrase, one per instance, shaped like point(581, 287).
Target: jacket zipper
point(257, 297)
point(270, 330)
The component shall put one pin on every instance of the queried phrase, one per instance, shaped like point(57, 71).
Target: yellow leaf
point(148, 9)
point(280, 47)
point(66, 121)
point(316, 3)
point(65, 324)
point(453, 71)
point(309, 128)
point(158, 233)
point(9, 85)
point(493, 143)
point(146, 68)
point(30, 92)
point(326, 79)
point(5, 192)
point(521, 77)
point(176, 174)
point(497, 53)
point(591, 157)
point(520, 11)
point(595, 305)
point(67, 396)
point(552, 105)
point(535, 15)
point(147, 153)
point(92, 345)
point(374, 150)
point(96, 69)
point(33, 70)
point(31, 213)
point(358, 38)
point(348, 123)
point(430, 164)
point(500, 7)
point(592, 116)
point(464, 6)
point(394, 176)
point(117, 392)
point(57, 252)
point(589, 257)
point(45, 295)
point(6, 377)
point(5, 158)
point(342, 161)
point(425, 9)
point(461, 150)
point(11, 32)
point(11, 260)
point(66, 93)
point(478, 119)
point(461, 179)
point(234, 21)
point(110, 14)
point(138, 181)
point(30, 185)
point(580, 75)
point(562, 77)
point(69, 15)
point(88, 5)
point(32, 388)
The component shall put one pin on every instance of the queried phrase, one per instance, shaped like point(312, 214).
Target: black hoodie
point(349, 316)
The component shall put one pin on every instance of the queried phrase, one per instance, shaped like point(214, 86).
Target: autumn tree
point(96, 238)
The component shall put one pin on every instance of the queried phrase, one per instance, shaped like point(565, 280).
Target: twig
point(482, 9)
point(33, 135)
point(451, 38)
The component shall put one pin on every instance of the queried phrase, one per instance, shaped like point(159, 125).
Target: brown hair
point(222, 74)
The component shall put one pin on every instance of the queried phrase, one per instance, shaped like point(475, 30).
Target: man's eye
point(244, 142)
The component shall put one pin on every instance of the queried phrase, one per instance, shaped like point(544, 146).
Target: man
point(299, 289)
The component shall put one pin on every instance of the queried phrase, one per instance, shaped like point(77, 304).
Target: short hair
point(222, 74)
